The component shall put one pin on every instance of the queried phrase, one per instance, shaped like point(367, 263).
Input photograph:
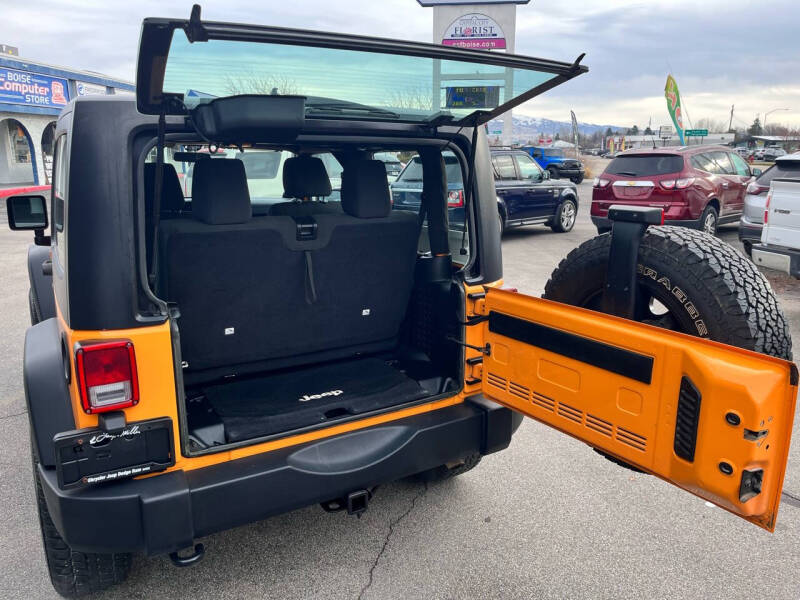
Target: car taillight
point(757, 189)
point(766, 206)
point(668, 184)
point(106, 373)
point(455, 199)
point(600, 182)
point(682, 184)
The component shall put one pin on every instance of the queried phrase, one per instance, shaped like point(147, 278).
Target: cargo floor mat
point(279, 402)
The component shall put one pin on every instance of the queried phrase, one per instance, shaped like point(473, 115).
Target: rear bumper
point(749, 232)
point(785, 260)
point(605, 223)
point(166, 513)
point(563, 172)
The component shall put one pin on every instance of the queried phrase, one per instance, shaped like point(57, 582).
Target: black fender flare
point(45, 368)
point(41, 281)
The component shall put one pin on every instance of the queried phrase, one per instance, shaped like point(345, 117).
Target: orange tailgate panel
point(616, 384)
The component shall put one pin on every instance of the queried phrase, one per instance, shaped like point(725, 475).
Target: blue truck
point(558, 165)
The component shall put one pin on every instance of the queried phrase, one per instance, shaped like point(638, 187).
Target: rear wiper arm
point(343, 108)
point(628, 173)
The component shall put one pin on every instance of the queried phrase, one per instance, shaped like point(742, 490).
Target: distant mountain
point(529, 127)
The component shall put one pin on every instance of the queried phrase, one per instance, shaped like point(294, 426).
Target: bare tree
point(415, 97)
point(255, 84)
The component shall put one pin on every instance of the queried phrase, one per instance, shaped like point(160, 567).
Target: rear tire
point(502, 223)
point(444, 472)
point(702, 286)
point(565, 217)
point(708, 220)
point(72, 573)
point(577, 180)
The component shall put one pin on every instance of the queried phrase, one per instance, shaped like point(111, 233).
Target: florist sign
point(474, 31)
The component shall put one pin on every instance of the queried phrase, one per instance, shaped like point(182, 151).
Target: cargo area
point(301, 302)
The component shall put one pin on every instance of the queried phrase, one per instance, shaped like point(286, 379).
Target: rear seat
point(172, 201)
point(253, 297)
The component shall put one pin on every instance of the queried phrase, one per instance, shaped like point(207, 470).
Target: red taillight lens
point(106, 373)
point(682, 184)
point(756, 189)
point(455, 199)
point(668, 184)
point(600, 182)
point(766, 207)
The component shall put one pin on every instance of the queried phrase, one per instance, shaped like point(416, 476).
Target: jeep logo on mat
point(306, 398)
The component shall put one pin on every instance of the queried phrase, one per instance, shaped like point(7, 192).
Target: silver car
point(752, 220)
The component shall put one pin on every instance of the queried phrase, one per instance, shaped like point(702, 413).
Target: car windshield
point(342, 83)
point(413, 171)
point(642, 165)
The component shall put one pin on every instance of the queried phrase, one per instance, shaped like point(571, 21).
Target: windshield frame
point(156, 38)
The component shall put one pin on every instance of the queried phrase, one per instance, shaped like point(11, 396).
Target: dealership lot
point(547, 518)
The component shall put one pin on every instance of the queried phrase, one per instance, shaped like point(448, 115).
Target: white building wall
point(11, 172)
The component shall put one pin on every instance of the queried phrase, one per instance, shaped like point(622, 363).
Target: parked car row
point(526, 194)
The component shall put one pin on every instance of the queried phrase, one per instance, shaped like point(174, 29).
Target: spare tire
point(688, 281)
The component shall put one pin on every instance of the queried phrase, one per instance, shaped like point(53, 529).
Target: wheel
point(553, 173)
point(577, 180)
point(444, 472)
point(33, 304)
point(501, 222)
point(72, 573)
point(565, 217)
point(688, 281)
point(708, 220)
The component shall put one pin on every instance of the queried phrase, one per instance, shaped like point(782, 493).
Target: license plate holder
point(91, 456)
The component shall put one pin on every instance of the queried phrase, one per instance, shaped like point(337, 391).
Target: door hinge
point(487, 349)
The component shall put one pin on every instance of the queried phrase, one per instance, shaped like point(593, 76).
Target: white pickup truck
point(780, 237)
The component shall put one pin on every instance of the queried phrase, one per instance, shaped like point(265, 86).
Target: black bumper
point(750, 232)
point(166, 513)
point(570, 173)
point(605, 223)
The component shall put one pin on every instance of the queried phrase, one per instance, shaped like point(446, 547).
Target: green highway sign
point(696, 132)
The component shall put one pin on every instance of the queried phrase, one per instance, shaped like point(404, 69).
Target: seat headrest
point(305, 176)
point(219, 192)
point(172, 200)
point(365, 189)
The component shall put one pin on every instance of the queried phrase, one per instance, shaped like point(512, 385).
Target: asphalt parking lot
point(548, 518)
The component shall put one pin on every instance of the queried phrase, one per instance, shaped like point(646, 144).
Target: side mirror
point(545, 175)
point(757, 172)
point(27, 212)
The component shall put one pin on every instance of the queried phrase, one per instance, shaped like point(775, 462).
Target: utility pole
point(730, 123)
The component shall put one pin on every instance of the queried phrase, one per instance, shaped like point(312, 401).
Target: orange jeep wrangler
point(207, 357)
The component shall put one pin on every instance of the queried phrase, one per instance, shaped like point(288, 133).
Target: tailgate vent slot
point(568, 412)
point(634, 440)
point(687, 420)
point(544, 402)
point(496, 381)
point(519, 390)
point(599, 425)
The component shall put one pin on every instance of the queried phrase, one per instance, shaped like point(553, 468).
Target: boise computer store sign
point(22, 87)
point(474, 30)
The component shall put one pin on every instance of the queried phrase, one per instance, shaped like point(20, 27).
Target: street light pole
point(766, 114)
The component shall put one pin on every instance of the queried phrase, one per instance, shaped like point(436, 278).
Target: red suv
point(696, 186)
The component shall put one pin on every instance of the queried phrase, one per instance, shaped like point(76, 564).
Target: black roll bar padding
point(629, 224)
point(434, 199)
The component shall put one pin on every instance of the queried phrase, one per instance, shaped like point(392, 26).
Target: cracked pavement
point(547, 518)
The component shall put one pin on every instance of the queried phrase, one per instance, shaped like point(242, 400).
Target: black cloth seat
point(242, 283)
point(305, 178)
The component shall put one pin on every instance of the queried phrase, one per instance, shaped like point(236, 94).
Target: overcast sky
point(721, 52)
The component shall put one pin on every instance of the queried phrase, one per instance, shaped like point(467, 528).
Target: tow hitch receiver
point(355, 503)
point(188, 560)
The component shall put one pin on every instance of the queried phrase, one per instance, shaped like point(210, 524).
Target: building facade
point(31, 96)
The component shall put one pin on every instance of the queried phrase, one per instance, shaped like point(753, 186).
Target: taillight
point(455, 199)
point(682, 184)
point(668, 184)
point(757, 189)
point(600, 182)
point(766, 206)
point(106, 373)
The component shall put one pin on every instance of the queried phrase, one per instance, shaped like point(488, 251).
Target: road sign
point(696, 132)
point(665, 131)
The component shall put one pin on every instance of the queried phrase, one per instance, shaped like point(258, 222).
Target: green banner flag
point(673, 97)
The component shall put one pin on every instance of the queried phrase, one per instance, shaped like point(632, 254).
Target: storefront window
point(20, 148)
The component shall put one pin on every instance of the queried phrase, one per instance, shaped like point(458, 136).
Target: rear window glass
point(787, 168)
point(260, 165)
point(639, 165)
point(413, 171)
